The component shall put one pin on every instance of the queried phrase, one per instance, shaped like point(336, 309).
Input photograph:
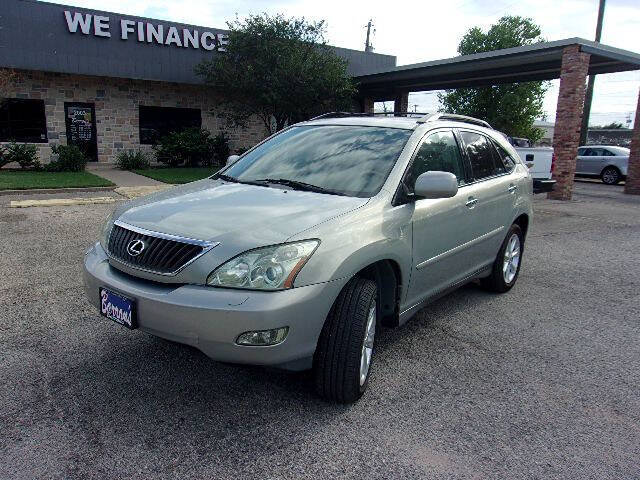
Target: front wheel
point(506, 266)
point(611, 176)
point(342, 362)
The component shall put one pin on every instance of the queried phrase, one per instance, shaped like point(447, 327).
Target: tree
point(7, 78)
point(510, 108)
point(280, 69)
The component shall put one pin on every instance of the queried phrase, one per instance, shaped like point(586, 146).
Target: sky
point(423, 30)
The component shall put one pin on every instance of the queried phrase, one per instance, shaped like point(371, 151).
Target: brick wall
point(632, 184)
point(116, 105)
point(566, 135)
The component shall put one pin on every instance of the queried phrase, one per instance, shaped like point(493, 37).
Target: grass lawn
point(177, 175)
point(21, 180)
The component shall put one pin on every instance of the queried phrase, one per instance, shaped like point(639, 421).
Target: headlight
point(106, 230)
point(267, 268)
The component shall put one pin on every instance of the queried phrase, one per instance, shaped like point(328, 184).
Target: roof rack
point(456, 118)
point(374, 114)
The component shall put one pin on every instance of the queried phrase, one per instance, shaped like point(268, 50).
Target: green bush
point(26, 155)
point(70, 159)
point(221, 149)
point(189, 147)
point(132, 160)
point(4, 159)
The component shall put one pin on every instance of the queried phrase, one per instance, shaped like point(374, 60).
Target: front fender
point(355, 241)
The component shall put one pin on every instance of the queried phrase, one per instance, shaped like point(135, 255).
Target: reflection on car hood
point(218, 211)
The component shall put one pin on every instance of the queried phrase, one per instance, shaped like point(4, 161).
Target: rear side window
point(439, 152)
point(480, 154)
point(607, 153)
point(506, 161)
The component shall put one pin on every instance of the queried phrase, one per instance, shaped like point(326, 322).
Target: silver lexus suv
point(296, 253)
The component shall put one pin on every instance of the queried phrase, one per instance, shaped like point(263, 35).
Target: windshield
point(349, 160)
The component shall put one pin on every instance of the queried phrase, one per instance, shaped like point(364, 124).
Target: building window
point(156, 122)
point(22, 120)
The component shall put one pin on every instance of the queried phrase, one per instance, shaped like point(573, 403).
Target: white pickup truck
point(540, 162)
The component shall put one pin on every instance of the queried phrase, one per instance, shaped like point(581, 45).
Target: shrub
point(26, 155)
point(4, 159)
point(132, 160)
point(221, 148)
point(70, 159)
point(190, 147)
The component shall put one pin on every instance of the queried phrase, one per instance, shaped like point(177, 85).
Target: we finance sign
point(144, 32)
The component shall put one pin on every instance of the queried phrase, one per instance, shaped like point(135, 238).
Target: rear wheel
point(506, 266)
point(611, 176)
point(343, 358)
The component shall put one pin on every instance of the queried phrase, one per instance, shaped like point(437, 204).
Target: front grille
point(161, 254)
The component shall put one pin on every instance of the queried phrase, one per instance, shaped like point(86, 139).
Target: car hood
point(249, 215)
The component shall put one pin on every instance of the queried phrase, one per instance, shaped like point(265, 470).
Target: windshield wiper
point(228, 178)
point(296, 185)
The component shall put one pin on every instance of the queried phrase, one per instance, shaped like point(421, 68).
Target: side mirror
point(436, 184)
point(232, 159)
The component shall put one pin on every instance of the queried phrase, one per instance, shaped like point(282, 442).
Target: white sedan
point(604, 161)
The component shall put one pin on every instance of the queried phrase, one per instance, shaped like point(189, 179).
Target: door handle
point(512, 188)
point(471, 202)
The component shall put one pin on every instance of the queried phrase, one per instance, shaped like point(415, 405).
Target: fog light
point(263, 338)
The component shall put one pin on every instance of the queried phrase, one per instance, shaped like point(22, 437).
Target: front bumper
point(211, 319)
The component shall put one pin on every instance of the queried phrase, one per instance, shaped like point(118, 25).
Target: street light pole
point(586, 111)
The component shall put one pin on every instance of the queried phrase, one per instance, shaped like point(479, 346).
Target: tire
point(341, 346)
point(611, 176)
point(504, 277)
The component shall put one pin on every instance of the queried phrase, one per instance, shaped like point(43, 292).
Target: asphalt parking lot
point(543, 382)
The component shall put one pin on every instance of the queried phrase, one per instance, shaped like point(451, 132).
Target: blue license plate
point(118, 308)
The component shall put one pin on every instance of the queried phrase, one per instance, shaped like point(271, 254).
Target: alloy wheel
point(367, 344)
point(511, 259)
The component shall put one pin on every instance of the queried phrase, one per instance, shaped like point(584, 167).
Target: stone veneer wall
point(116, 105)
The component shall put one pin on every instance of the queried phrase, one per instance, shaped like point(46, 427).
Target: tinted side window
point(607, 153)
point(581, 151)
point(440, 152)
point(480, 154)
point(505, 158)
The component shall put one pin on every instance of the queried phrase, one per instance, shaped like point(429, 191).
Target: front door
point(80, 120)
point(441, 228)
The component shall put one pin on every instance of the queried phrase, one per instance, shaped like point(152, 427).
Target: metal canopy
point(541, 61)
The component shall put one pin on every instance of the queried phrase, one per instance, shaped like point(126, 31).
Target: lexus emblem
point(135, 247)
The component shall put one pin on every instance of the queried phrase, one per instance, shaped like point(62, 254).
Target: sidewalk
point(123, 178)
point(128, 185)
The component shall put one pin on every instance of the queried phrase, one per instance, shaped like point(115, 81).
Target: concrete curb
point(61, 202)
point(33, 191)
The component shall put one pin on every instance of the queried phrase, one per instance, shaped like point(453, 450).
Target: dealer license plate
point(118, 308)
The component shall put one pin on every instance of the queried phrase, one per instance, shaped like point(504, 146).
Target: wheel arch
point(388, 277)
point(523, 222)
point(611, 165)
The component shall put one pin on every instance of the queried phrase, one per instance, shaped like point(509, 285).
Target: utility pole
point(367, 45)
point(586, 111)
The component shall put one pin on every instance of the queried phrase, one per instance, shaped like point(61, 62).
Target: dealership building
point(112, 82)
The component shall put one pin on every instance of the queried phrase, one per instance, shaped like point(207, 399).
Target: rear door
point(591, 161)
point(492, 192)
point(580, 160)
